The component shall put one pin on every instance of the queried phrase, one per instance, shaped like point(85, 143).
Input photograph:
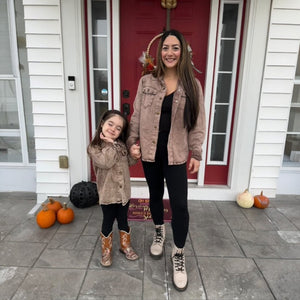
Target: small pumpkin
point(46, 217)
point(65, 215)
point(245, 199)
point(54, 205)
point(261, 201)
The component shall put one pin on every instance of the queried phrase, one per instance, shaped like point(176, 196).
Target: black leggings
point(176, 180)
point(112, 212)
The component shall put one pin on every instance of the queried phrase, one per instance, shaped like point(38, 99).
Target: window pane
point(24, 73)
point(298, 65)
point(99, 22)
point(217, 148)
point(100, 83)
point(223, 88)
point(226, 55)
point(296, 94)
point(220, 118)
point(100, 52)
point(8, 105)
point(100, 108)
point(292, 151)
point(5, 57)
point(10, 149)
point(294, 119)
point(229, 23)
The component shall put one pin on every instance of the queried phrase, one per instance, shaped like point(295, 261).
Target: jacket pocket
point(148, 95)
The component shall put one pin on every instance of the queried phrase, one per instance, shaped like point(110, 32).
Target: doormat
point(139, 210)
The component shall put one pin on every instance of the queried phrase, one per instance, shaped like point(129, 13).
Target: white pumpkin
point(245, 199)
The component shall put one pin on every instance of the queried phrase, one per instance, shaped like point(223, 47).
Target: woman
point(168, 121)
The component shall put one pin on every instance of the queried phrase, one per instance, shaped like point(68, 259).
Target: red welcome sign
point(139, 210)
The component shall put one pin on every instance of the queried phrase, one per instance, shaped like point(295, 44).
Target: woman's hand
point(194, 165)
point(135, 151)
point(106, 139)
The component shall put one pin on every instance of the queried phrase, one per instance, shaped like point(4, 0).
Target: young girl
point(111, 163)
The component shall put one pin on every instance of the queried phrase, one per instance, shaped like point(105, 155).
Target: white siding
point(276, 94)
point(44, 47)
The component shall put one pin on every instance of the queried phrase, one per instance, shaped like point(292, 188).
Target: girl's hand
point(106, 139)
point(194, 165)
point(135, 151)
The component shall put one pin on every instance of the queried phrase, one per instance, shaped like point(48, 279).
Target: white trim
point(213, 27)
point(234, 79)
point(116, 53)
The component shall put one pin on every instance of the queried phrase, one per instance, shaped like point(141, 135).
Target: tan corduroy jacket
point(144, 124)
point(111, 165)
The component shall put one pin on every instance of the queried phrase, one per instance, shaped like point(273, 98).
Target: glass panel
point(220, 119)
point(99, 22)
point(8, 105)
point(223, 88)
point(294, 119)
point(296, 94)
point(217, 147)
point(100, 108)
point(100, 52)
point(100, 85)
point(230, 15)
point(292, 151)
point(298, 65)
point(24, 73)
point(226, 55)
point(5, 56)
point(10, 149)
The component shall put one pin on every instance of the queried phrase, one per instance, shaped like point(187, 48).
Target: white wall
point(276, 94)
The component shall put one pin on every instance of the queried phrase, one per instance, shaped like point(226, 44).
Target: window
point(99, 43)
point(225, 78)
point(292, 144)
point(16, 125)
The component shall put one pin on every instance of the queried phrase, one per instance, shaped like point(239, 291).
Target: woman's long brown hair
point(186, 76)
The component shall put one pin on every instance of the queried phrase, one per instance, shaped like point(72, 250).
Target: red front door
point(140, 22)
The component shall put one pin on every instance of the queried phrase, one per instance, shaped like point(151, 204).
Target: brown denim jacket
point(111, 165)
point(144, 123)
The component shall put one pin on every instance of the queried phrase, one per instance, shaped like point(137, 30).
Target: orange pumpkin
point(54, 205)
point(46, 217)
point(65, 215)
point(261, 201)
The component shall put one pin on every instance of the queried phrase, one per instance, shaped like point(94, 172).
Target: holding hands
point(135, 151)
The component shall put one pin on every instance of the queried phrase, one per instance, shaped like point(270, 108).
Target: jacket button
point(153, 142)
point(157, 113)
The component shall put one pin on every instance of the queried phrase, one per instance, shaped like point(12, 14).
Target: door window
point(16, 125)
point(225, 79)
point(292, 144)
point(99, 59)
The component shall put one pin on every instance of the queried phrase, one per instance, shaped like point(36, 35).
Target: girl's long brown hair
point(186, 76)
point(96, 141)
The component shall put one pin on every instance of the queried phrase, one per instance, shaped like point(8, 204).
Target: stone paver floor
point(231, 253)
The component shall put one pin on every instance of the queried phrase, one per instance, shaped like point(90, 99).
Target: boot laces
point(158, 237)
point(179, 262)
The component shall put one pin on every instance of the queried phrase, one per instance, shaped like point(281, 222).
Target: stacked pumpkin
point(246, 200)
point(52, 211)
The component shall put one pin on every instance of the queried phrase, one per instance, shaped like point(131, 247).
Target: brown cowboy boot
point(125, 245)
point(106, 259)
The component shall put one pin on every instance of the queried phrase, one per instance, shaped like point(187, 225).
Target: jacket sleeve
point(103, 158)
point(134, 126)
point(197, 134)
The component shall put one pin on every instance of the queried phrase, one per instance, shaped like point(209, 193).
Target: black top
point(165, 119)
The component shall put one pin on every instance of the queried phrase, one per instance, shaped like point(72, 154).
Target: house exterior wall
point(46, 71)
point(276, 94)
point(55, 38)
